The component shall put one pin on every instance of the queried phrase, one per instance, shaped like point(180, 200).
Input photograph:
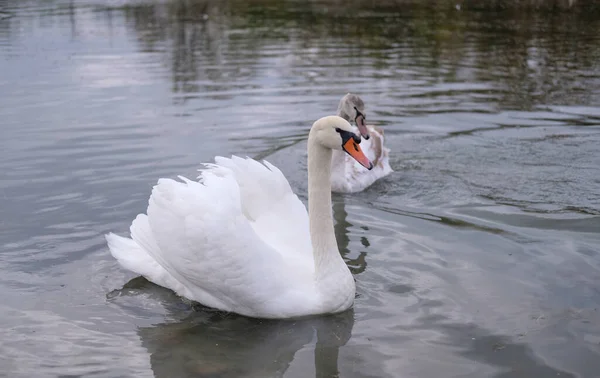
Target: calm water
point(478, 257)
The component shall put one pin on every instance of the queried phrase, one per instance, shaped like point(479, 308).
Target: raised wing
point(274, 211)
point(211, 236)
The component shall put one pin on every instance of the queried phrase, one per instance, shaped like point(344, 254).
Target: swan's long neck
point(339, 157)
point(322, 234)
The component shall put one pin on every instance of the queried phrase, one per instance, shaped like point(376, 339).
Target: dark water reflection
point(532, 59)
point(208, 344)
point(477, 257)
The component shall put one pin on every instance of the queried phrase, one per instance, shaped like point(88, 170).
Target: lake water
point(478, 257)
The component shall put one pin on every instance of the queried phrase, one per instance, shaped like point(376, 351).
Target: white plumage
point(240, 240)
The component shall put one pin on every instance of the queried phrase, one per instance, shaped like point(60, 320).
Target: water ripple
point(477, 256)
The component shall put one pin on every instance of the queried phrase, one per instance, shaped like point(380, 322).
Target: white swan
point(241, 241)
point(346, 175)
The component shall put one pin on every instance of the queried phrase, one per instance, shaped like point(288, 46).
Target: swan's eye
point(348, 136)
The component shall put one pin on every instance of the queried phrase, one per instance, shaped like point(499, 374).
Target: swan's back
point(238, 240)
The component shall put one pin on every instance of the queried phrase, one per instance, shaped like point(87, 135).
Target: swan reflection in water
point(359, 264)
point(214, 345)
point(208, 343)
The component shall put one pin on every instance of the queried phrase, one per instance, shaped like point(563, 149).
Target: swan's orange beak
point(354, 150)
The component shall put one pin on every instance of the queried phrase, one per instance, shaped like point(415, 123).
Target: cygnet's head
point(352, 107)
point(337, 134)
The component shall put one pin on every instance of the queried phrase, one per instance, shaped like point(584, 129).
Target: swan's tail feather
point(129, 254)
point(133, 257)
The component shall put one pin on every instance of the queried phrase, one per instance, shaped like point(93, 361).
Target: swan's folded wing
point(203, 239)
point(274, 211)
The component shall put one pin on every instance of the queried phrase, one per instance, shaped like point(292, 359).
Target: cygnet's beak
point(353, 149)
point(361, 124)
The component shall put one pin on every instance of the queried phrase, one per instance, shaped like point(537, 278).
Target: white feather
point(239, 239)
point(241, 264)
